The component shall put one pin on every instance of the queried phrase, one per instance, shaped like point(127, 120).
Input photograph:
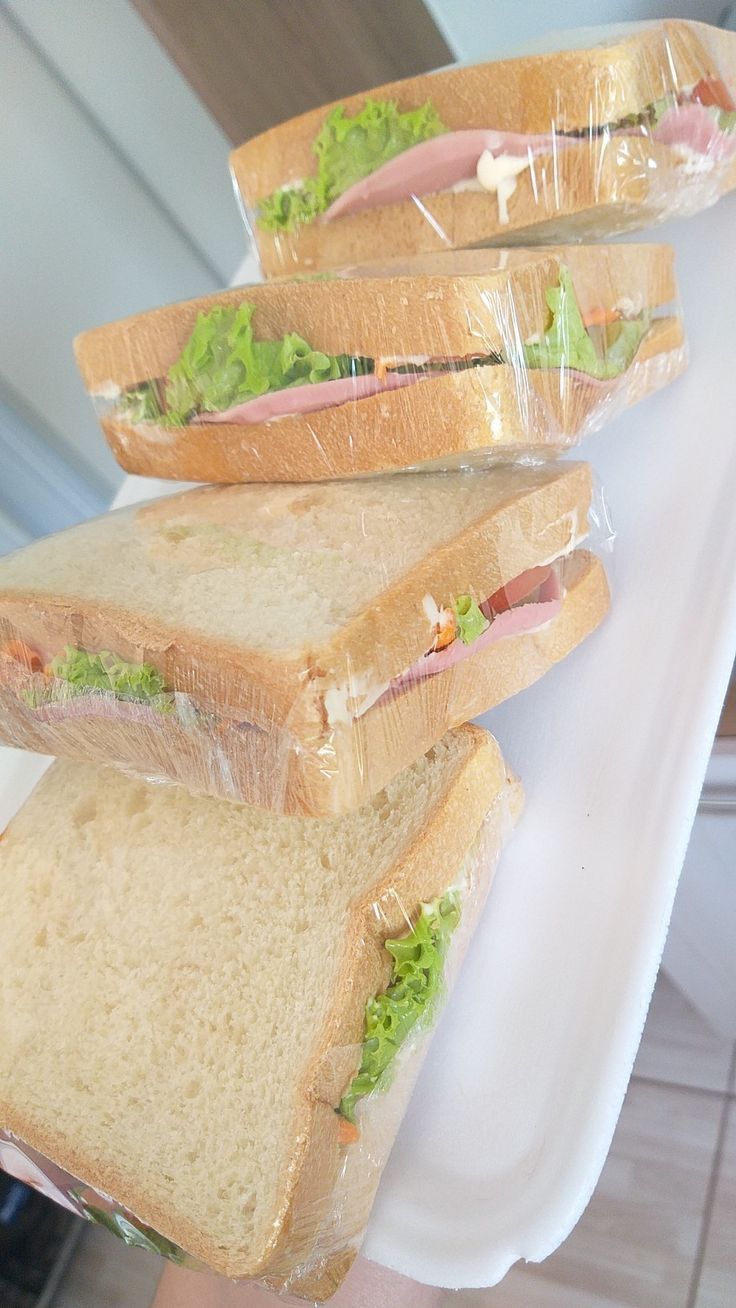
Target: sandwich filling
point(83, 683)
point(458, 632)
point(225, 374)
point(409, 1001)
point(383, 156)
point(80, 683)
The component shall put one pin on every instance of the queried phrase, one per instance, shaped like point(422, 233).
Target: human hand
point(367, 1285)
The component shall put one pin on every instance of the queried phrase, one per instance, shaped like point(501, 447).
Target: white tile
point(717, 1287)
point(105, 1273)
point(636, 1243)
point(678, 1046)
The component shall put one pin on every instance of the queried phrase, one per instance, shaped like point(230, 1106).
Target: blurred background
point(117, 118)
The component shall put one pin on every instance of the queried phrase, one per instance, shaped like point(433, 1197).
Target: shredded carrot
point(22, 653)
point(347, 1132)
point(601, 317)
point(444, 631)
point(380, 368)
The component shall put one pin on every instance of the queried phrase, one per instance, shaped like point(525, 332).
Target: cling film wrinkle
point(612, 133)
point(295, 646)
point(436, 362)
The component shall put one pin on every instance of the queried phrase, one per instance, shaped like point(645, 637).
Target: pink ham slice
point(514, 622)
point(598, 383)
point(434, 166)
point(310, 397)
point(313, 396)
point(693, 126)
point(99, 706)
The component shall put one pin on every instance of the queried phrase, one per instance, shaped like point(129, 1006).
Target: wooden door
point(255, 63)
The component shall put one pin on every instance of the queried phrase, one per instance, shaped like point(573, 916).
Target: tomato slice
point(713, 91)
point(517, 590)
point(23, 653)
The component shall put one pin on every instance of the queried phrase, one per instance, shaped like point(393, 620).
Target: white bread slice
point(268, 584)
point(489, 302)
point(590, 190)
point(259, 601)
point(204, 969)
point(313, 767)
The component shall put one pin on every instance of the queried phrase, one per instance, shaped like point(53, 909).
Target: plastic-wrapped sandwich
point(469, 357)
point(295, 646)
point(235, 1004)
point(583, 142)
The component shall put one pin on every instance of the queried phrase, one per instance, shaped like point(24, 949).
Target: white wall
point(114, 197)
point(475, 29)
point(108, 58)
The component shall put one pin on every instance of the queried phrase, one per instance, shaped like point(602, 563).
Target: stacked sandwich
point(636, 128)
point(216, 991)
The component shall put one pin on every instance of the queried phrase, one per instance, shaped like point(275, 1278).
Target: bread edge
point(453, 416)
point(419, 874)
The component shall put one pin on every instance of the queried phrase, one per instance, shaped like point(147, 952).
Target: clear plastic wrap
point(398, 926)
point(295, 647)
point(614, 136)
point(462, 358)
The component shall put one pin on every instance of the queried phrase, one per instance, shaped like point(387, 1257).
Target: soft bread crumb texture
point(168, 962)
point(272, 568)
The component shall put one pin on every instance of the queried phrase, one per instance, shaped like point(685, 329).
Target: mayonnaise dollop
point(499, 173)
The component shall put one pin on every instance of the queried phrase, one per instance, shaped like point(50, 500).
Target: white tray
point(514, 1112)
point(515, 1109)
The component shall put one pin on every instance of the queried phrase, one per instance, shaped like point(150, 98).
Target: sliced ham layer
point(512, 622)
point(311, 396)
point(434, 166)
point(695, 128)
point(314, 396)
point(506, 609)
point(446, 160)
point(99, 705)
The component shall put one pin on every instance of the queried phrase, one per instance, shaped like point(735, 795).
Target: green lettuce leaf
point(83, 671)
point(130, 1231)
point(141, 403)
point(223, 364)
point(347, 150)
point(568, 344)
point(471, 623)
point(286, 208)
point(411, 996)
point(726, 118)
point(656, 111)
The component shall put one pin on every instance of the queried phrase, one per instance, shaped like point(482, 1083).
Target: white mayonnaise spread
point(499, 173)
point(109, 390)
point(348, 702)
point(693, 161)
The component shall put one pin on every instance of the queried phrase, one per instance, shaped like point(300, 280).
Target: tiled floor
point(659, 1232)
point(718, 1275)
